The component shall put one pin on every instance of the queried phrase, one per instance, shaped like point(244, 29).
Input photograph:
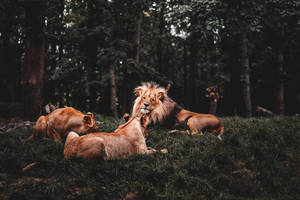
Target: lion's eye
point(144, 97)
point(152, 100)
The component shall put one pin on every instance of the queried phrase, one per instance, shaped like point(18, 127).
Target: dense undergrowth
point(259, 158)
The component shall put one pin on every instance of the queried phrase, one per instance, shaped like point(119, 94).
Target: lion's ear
point(168, 88)
point(161, 95)
point(87, 119)
point(90, 114)
point(138, 92)
point(126, 117)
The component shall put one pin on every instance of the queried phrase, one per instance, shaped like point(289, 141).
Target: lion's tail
point(220, 131)
point(40, 128)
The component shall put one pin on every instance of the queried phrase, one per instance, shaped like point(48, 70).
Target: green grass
point(259, 158)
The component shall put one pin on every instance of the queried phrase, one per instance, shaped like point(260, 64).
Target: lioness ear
point(168, 88)
point(138, 92)
point(126, 117)
point(90, 114)
point(87, 119)
point(161, 95)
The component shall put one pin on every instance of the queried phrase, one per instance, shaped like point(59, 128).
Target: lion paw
point(164, 151)
point(220, 138)
point(194, 133)
point(151, 150)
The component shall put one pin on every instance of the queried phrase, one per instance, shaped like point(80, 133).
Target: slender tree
point(91, 54)
point(138, 35)
point(279, 86)
point(213, 95)
point(34, 61)
point(245, 75)
point(193, 40)
point(159, 50)
point(113, 90)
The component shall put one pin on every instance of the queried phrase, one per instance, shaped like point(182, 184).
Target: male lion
point(61, 121)
point(126, 140)
point(153, 100)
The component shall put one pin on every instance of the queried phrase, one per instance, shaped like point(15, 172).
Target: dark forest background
point(91, 54)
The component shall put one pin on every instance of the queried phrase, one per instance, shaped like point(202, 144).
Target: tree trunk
point(193, 71)
point(279, 93)
point(34, 62)
point(159, 49)
point(91, 54)
point(138, 37)
point(185, 74)
point(213, 95)
point(91, 73)
point(213, 106)
point(245, 76)
point(193, 65)
point(126, 93)
point(7, 53)
point(113, 93)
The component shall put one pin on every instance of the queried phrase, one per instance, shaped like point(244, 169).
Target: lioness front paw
point(173, 131)
point(150, 149)
point(164, 151)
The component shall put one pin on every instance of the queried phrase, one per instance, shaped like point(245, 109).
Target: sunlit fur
point(126, 140)
point(61, 121)
point(162, 109)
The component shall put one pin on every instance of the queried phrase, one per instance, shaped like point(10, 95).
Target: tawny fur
point(61, 121)
point(154, 99)
point(126, 140)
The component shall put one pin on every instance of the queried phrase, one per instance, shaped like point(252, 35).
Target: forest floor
point(259, 158)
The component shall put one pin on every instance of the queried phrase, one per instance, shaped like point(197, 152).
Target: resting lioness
point(61, 121)
point(154, 101)
point(126, 140)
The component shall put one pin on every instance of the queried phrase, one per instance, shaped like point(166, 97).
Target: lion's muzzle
point(145, 111)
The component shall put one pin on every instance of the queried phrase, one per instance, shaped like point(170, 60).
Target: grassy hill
point(259, 158)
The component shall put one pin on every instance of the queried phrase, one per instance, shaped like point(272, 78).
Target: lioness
point(153, 100)
point(126, 140)
point(61, 121)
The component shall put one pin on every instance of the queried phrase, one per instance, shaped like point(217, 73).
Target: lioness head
point(90, 123)
point(151, 99)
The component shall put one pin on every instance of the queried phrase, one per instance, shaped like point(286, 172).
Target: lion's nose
point(146, 104)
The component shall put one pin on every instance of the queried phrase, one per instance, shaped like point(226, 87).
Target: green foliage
point(258, 159)
point(191, 44)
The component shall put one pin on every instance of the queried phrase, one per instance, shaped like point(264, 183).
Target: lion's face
point(148, 99)
point(153, 101)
